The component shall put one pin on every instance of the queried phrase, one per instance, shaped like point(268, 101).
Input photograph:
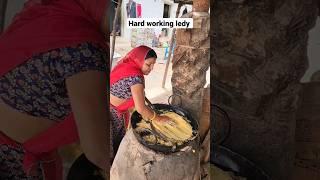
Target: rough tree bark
point(190, 63)
point(200, 5)
point(260, 55)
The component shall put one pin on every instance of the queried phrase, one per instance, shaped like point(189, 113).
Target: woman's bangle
point(154, 116)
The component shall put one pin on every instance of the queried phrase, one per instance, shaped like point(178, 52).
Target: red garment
point(43, 25)
point(43, 147)
point(40, 27)
point(139, 11)
point(130, 65)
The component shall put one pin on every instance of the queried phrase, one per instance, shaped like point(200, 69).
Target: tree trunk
point(201, 5)
point(190, 63)
point(307, 133)
point(260, 56)
point(141, 163)
point(3, 7)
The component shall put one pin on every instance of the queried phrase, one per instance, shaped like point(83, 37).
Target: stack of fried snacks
point(177, 131)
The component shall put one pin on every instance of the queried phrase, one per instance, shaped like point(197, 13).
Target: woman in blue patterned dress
point(127, 91)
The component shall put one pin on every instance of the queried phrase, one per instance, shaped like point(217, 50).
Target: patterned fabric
point(121, 89)
point(118, 129)
point(38, 87)
point(11, 165)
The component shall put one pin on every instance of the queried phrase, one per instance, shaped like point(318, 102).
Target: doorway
point(166, 14)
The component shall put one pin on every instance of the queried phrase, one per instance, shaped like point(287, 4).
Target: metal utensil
point(152, 106)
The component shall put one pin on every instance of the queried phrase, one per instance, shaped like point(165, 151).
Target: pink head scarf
point(130, 65)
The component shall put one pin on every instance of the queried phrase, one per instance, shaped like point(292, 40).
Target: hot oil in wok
point(168, 134)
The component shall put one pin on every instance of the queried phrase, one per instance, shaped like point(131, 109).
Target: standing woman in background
point(53, 78)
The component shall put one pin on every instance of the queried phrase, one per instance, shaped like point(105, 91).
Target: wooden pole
point(170, 50)
point(3, 7)
point(114, 30)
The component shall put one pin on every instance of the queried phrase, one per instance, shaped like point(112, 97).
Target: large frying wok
point(228, 160)
point(136, 118)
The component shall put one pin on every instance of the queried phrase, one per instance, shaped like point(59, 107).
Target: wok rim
point(162, 148)
point(235, 157)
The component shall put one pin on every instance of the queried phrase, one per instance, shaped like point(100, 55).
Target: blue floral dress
point(121, 89)
point(37, 87)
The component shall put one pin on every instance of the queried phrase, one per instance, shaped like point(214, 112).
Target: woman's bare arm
point(88, 96)
point(139, 102)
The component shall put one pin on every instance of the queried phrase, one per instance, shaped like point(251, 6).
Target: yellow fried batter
point(179, 130)
point(150, 138)
point(176, 132)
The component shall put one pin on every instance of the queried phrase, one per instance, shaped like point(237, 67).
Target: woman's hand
point(146, 112)
point(162, 119)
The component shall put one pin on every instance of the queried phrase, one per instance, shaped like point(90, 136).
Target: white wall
point(313, 52)
point(150, 9)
